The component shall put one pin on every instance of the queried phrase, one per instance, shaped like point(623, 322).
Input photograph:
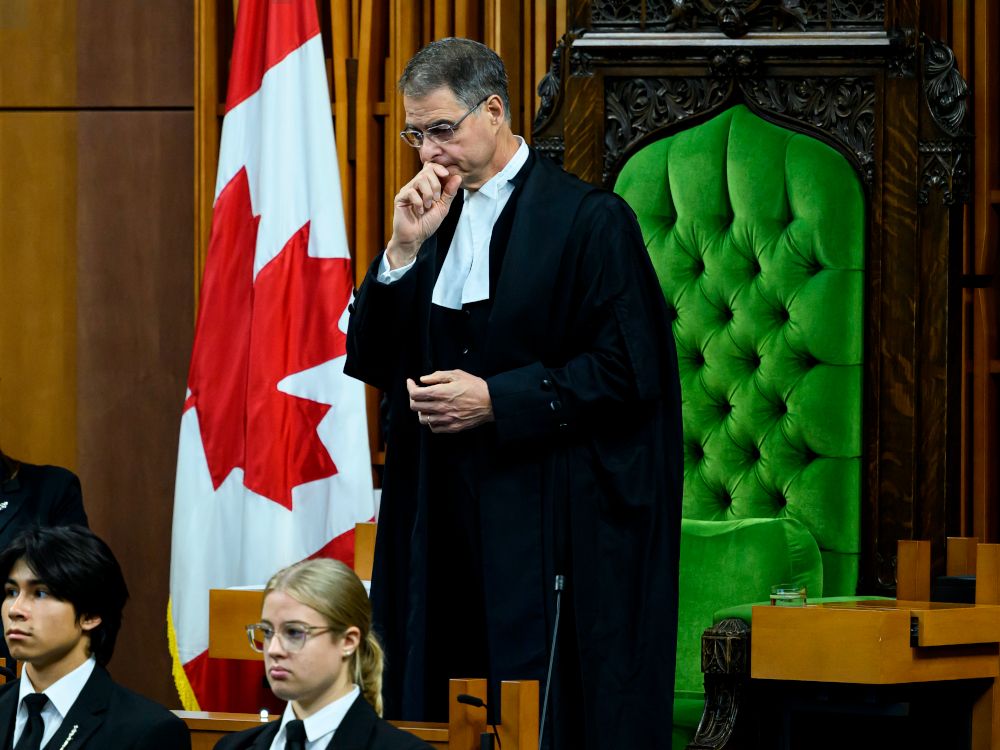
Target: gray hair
point(470, 70)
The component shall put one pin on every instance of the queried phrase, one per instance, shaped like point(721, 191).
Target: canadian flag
point(273, 463)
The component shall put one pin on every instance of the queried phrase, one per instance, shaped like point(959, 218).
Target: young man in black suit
point(62, 609)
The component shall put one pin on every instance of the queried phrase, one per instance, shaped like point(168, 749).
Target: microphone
point(486, 740)
point(560, 584)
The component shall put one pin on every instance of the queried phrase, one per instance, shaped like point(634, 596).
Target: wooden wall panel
point(96, 225)
point(38, 277)
point(134, 53)
point(37, 53)
point(135, 329)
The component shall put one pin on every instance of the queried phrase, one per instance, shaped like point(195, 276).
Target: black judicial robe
point(580, 474)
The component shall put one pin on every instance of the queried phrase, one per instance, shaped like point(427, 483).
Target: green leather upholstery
point(757, 235)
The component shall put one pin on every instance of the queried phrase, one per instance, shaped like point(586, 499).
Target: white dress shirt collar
point(465, 274)
point(491, 188)
point(62, 695)
point(321, 726)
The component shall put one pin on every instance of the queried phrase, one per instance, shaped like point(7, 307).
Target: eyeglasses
point(441, 133)
point(293, 635)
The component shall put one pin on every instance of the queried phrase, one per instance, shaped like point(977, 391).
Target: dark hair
point(471, 70)
point(79, 568)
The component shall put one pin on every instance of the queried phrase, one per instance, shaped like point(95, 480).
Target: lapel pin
point(69, 737)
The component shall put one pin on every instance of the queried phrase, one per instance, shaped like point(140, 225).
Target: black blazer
point(104, 716)
point(361, 729)
point(39, 496)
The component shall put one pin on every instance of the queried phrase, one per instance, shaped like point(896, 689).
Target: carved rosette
point(581, 64)
point(944, 167)
point(732, 63)
point(842, 108)
point(635, 107)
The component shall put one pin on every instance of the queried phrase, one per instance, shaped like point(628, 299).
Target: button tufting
point(555, 405)
point(546, 385)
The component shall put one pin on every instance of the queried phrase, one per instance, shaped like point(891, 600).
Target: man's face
point(473, 150)
point(313, 675)
point(41, 629)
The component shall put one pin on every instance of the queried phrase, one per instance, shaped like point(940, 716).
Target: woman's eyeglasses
point(293, 635)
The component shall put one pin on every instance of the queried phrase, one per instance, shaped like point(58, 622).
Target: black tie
point(295, 735)
point(31, 737)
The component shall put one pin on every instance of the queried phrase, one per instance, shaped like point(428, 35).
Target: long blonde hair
point(333, 590)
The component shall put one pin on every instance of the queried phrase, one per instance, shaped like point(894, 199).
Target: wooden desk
point(884, 643)
point(519, 731)
point(875, 642)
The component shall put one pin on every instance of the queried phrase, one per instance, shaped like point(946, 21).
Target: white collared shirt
point(62, 695)
point(321, 725)
point(465, 275)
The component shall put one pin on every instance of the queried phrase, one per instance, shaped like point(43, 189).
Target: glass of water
point(788, 595)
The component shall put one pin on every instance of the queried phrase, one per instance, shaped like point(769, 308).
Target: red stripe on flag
point(339, 548)
point(284, 25)
point(230, 685)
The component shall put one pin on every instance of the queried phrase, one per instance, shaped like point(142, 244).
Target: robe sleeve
point(619, 325)
point(380, 325)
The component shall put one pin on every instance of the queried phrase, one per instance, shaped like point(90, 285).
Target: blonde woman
point(321, 656)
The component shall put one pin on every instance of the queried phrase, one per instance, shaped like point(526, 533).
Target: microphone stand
point(486, 740)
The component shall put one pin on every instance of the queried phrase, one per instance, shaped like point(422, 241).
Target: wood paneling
point(37, 53)
point(134, 54)
point(135, 327)
point(38, 278)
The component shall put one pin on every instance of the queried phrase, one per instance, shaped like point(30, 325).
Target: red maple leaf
point(252, 334)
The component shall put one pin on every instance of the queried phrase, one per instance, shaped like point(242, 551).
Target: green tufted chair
point(757, 234)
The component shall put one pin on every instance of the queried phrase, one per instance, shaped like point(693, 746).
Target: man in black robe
point(516, 325)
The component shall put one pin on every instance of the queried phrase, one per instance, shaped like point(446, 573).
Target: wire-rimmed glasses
point(440, 133)
point(293, 635)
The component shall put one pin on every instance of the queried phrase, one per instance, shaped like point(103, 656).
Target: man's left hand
point(450, 400)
